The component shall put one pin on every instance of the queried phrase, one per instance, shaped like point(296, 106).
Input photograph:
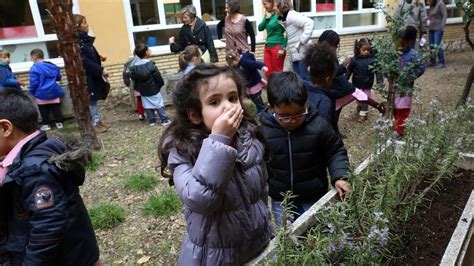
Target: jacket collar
point(86, 38)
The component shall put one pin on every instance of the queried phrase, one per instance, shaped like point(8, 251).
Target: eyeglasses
point(289, 119)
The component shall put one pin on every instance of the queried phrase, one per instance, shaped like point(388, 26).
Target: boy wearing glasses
point(302, 146)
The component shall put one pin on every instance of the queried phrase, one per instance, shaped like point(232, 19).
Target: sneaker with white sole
point(59, 125)
point(152, 124)
point(45, 128)
point(167, 122)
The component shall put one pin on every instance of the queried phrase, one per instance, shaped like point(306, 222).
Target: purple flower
point(331, 228)
point(331, 248)
point(341, 246)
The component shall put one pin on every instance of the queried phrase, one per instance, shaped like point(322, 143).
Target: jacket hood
point(69, 156)
point(142, 69)
point(199, 25)
point(267, 118)
point(48, 69)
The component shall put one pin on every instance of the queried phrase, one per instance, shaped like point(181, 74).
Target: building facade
point(120, 24)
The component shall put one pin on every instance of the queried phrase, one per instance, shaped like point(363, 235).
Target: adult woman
point(437, 15)
point(275, 45)
point(414, 12)
point(299, 30)
point(95, 73)
point(236, 28)
point(194, 31)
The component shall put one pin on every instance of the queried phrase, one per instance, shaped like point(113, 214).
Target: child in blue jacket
point(249, 66)
point(7, 78)
point(43, 77)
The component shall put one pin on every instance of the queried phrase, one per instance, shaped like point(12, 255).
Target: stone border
point(460, 250)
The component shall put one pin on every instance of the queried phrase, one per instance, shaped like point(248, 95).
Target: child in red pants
point(410, 57)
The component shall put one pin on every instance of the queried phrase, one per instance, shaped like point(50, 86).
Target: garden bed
point(427, 234)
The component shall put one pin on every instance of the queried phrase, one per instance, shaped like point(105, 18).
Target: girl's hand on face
point(228, 122)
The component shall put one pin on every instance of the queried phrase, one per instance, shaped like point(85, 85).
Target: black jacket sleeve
point(46, 202)
point(158, 78)
point(179, 44)
point(219, 27)
point(251, 33)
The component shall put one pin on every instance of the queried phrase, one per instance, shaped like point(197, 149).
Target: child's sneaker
point(167, 122)
point(45, 128)
point(152, 124)
point(362, 119)
point(100, 129)
point(59, 125)
point(141, 117)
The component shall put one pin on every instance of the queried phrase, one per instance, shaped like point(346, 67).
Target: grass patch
point(106, 215)
point(140, 182)
point(165, 203)
point(96, 161)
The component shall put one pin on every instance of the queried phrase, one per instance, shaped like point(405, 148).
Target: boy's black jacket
point(147, 78)
point(60, 234)
point(314, 146)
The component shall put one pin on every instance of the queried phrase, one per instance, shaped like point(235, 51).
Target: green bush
point(163, 204)
point(96, 161)
point(140, 182)
point(106, 215)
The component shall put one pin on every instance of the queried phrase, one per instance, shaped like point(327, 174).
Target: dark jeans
point(436, 36)
point(258, 101)
point(301, 69)
point(46, 109)
point(150, 115)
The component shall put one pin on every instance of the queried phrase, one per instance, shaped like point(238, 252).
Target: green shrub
point(163, 204)
point(140, 182)
point(106, 215)
point(96, 161)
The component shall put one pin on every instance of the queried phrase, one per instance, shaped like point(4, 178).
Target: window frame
point(41, 38)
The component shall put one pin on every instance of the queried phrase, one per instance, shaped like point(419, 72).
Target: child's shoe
point(100, 129)
point(100, 123)
point(167, 122)
point(59, 125)
point(152, 124)
point(45, 128)
point(362, 118)
point(141, 117)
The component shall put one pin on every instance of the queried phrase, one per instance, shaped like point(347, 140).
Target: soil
point(130, 147)
point(427, 235)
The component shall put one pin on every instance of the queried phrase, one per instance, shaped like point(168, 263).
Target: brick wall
point(168, 64)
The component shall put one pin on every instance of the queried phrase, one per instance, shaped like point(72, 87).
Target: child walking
point(7, 78)
point(189, 58)
point(409, 58)
point(129, 83)
point(249, 66)
point(148, 81)
point(303, 146)
point(43, 77)
point(362, 74)
point(47, 222)
point(216, 155)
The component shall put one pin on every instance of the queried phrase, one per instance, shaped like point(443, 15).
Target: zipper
point(291, 159)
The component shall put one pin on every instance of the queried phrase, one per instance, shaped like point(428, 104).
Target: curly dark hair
point(330, 37)
point(322, 61)
point(182, 134)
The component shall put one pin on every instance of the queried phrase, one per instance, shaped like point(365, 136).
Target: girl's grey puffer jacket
point(225, 195)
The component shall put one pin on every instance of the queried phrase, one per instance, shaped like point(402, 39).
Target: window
point(24, 26)
point(154, 21)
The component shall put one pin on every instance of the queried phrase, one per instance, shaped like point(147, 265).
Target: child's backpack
point(126, 70)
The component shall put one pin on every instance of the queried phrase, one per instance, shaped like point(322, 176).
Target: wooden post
point(66, 30)
point(467, 88)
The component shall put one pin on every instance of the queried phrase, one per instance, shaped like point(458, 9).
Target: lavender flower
point(331, 248)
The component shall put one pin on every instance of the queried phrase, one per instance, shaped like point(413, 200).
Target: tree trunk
point(466, 34)
point(390, 97)
point(467, 88)
point(66, 30)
